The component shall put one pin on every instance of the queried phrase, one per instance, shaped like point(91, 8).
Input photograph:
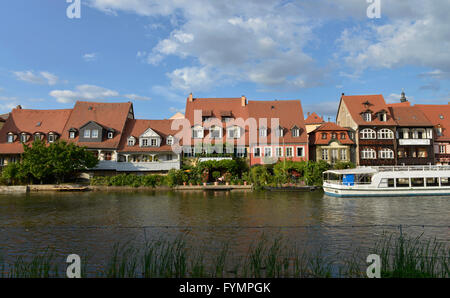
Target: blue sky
point(156, 52)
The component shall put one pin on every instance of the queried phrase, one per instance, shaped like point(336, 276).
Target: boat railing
point(339, 182)
point(412, 168)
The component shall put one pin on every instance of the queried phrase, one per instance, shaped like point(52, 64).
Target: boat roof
point(359, 170)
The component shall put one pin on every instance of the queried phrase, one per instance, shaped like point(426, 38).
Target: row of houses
point(367, 132)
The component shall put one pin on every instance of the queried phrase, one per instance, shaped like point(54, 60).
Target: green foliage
point(215, 175)
point(130, 180)
point(341, 165)
point(259, 176)
point(55, 162)
point(313, 172)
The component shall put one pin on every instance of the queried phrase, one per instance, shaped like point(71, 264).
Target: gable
point(149, 133)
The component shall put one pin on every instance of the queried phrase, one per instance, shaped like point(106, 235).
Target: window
point(2, 161)
point(368, 133)
point(439, 131)
point(51, 138)
point(153, 142)
point(368, 153)
point(442, 149)
point(10, 138)
point(300, 152)
point(23, 138)
point(215, 132)
point(268, 151)
point(257, 152)
point(87, 133)
point(367, 117)
point(169, 140)
point(402, 153)
point(110, 135)
point(71, 135)
point(402, 182)
point(432, 181)
point(324, 136)
point(95, 133)
point(386, 153)
point(263, 132)
point(234, 132)
point(279, 152)
point(227, 119)
point(382, 116)
point(188, 151)
point(279, 132)
point(108, 156)
point(422, 153)
point(343, 136)
point(144, 142)
point(169, 157)
point(343, 154)
point(289, 152)
point(197, 132)
point(385, 134)
point(325, 154)
point(417, 182)
point(240, 152)
point(131, 141)
point(333, 136)
point(445, 181)
point(295, 132)
point(37, 137)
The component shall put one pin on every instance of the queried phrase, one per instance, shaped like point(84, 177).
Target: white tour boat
point(388, 181)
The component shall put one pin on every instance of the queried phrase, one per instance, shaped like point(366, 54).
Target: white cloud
point(91, 93)
point(6, 98)
point(136, 97)
point(323, 109)
point(88, 57)
point(168, 94)
point(42, 78)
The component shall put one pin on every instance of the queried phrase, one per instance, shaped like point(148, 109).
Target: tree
point(34, 162)
point(65, 159)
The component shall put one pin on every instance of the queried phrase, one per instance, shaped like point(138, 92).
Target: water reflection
point(90, 223)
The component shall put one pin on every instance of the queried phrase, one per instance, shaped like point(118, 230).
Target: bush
point(215, 175)
point(341, 165)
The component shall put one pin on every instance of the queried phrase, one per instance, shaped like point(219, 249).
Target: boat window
point(387, 183)
point(432, 181)
point(402, 182)
point(417, 182)
point(445, 181)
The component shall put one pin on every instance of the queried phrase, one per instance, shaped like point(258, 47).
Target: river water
point(90, 223)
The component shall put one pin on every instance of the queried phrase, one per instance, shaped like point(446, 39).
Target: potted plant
point(227, 177)
point(205, 177)
point(216, 176)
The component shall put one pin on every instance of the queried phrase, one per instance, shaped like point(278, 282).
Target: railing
point(412, 168)
point(339, 182)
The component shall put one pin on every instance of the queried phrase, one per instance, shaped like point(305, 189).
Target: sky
point(155, 53)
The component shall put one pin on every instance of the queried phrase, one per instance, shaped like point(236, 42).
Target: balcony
point(138, 166)
point(407, 142)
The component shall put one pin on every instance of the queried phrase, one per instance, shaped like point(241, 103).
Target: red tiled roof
point(409, 116)
point(331, 126)
point(438, 115)
point(289, 114)
point(314, 119)
point(399, 104)
point(136, 128)
point(110, 115)
point(357, 104)
point(31, 122)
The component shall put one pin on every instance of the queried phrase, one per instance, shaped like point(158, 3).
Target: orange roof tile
point(357, 104)
point(314, 119)
point(110, 115)
point(409, 116)
point(438, 115)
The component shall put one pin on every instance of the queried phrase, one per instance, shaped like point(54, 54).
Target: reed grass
point(402, 257)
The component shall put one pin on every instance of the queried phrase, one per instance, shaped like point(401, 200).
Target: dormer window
point(367, 116)
point(110, 135)
point(279, 132)
point(23, 138)
point(295, 132)
point(215, 132)
point(439, 131)
point(95, 133)
point(169, 140)
point(382, 116)
point(71, 135)
point(263, 132)
point(87, 133)
point(234, 132)
point(333, 136)
point(324, 136)
point(51, 137)
point(10, 138)
point(131, 141)
point(37, 137)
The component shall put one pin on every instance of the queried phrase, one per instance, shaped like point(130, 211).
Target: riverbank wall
point(14, 189)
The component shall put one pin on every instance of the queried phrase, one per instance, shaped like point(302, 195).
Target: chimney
point(243, 100)
point(19, 107)
point(308, 113)
point(191, 99)
point(343, 93)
